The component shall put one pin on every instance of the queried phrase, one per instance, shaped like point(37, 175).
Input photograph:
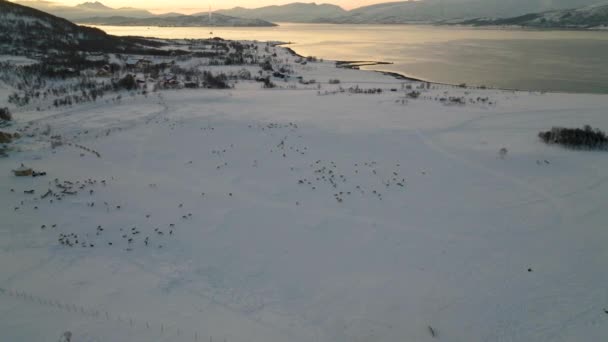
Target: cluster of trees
point(85, 96)
point(72, 76)
point(268, 84)
point(219, 81)
point(234, 59)
point(222, 52)
point(357, 90)
point(84, 90)
point(35, 76)
point(585, 137)
point(22, 78)
point(413, 94)
point(66, 101)
point(457, 100)
point(154, 70)
point(19, 100)
point(32, 81)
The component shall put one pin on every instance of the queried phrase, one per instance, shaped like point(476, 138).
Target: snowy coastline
point(358, 207)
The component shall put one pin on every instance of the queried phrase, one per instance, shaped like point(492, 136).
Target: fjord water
point(547, 60)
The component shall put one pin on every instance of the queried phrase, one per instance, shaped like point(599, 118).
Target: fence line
point(129, 322)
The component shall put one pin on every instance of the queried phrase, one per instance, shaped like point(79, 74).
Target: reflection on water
point(572, 61)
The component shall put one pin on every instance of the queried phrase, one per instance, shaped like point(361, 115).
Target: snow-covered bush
point(585, 137)
point(413, 94)
point(5, 114)
point(268, 83)
point(502, 153)
point(244, 74)
point(128, 82)
point(266, 65)
point(66, 337)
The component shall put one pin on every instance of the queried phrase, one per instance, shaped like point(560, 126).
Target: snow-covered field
point(273, 215)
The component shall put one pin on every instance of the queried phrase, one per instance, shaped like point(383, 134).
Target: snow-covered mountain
point(294, 12)
point(586, 17)
point(391, 13)
point(436, 10)
point(84, 10)
point(96, 5)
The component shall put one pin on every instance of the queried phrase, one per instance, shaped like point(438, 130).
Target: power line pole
point(210, 23)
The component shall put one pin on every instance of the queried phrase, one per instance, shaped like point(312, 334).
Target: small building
point(131, 62)
point(23, 171)
point(137, 63)
point(278, 74)
point(170, 81)
point(143, 63)
point(105, 70)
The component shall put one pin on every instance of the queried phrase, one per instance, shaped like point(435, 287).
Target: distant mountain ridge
point(582, 18)
point(178, 21)
point(84, 10)
point(294, 12)
point(94, 5)
point(403, 12)
point(97, 13)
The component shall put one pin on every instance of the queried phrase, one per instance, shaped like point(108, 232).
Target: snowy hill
point(25, 30)
point(391, 13)
point(591, 17)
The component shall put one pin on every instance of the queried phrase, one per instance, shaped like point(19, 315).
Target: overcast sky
point(188, 5)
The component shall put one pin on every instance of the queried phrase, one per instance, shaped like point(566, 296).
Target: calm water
point(570, 61)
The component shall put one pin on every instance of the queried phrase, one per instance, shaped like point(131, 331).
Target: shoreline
point(354, 65)
point(521, 28)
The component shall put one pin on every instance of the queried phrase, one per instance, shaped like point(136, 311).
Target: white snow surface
point(16, 60)
point(264, 248)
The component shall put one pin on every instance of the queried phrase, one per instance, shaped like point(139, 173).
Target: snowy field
point(273, 215)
